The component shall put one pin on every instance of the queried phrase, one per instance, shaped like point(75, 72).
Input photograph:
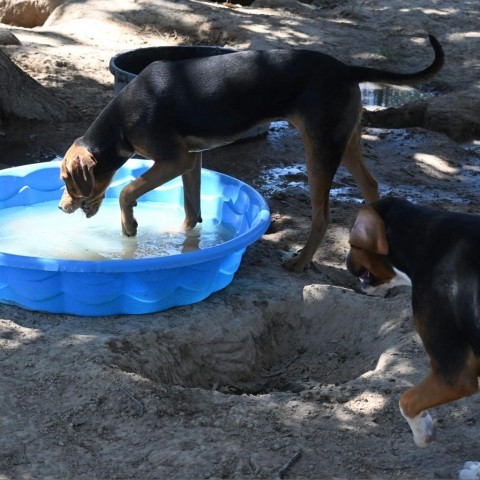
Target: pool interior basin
point(59, 263)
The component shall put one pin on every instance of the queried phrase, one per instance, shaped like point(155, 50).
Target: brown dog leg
point(432, 392)
point(320, 189)
point(352, 159)
point(191, 193)
point(160, 173)
point(323, 159)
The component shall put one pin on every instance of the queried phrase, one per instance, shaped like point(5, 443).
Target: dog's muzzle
point(69, 206)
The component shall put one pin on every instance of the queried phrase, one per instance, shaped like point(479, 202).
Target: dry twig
point(137, 402)
point(289, 465)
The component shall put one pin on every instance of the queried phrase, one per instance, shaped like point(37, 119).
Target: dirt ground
point(279, 375)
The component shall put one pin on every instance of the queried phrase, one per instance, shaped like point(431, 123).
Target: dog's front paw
point(426, 432)
point(129, 224)
point(470, 471)
point(189, 223)
point(129, 229)
point(423, 427)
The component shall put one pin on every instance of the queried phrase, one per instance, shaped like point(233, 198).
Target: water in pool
point(42, 230)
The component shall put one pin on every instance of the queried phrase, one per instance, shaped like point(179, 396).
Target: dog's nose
point(65, 208)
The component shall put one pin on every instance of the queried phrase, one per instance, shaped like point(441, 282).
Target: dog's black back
point(274, 81)
point(273, 84)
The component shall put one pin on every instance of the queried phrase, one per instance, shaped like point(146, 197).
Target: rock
point(455, 114)
point(26, 13)
point(8, 38)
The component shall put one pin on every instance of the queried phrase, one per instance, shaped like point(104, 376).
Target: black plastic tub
point(126, 66)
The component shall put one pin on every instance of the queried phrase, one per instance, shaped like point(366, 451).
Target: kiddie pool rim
point(236, 244)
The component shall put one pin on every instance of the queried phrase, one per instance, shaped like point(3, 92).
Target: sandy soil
point(279, 375)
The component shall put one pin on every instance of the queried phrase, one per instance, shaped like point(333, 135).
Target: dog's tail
point(366, 74)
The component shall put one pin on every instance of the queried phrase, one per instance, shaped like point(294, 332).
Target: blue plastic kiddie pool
point(59, 263)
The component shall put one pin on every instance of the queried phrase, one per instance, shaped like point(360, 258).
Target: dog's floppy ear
point(368, 232)
point(78, 165)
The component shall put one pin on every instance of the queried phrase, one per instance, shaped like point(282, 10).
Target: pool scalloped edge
point(136, 286)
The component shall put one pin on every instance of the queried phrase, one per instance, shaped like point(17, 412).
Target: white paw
point(423, 428)
point(470, 471)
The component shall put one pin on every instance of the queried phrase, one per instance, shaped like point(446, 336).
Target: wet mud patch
point(324, 339)
point(422, 166)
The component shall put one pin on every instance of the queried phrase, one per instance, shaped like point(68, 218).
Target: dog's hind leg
point(191, 193)
point(323, 160)
point(432, 392)
point(353, 161)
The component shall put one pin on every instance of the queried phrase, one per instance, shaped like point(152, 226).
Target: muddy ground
point(279, 375)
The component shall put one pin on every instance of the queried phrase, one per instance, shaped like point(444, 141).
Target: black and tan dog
point(394, 242)
point(174, 109)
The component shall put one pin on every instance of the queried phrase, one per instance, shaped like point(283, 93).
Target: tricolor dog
point(174, 109)
point(394, 242)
